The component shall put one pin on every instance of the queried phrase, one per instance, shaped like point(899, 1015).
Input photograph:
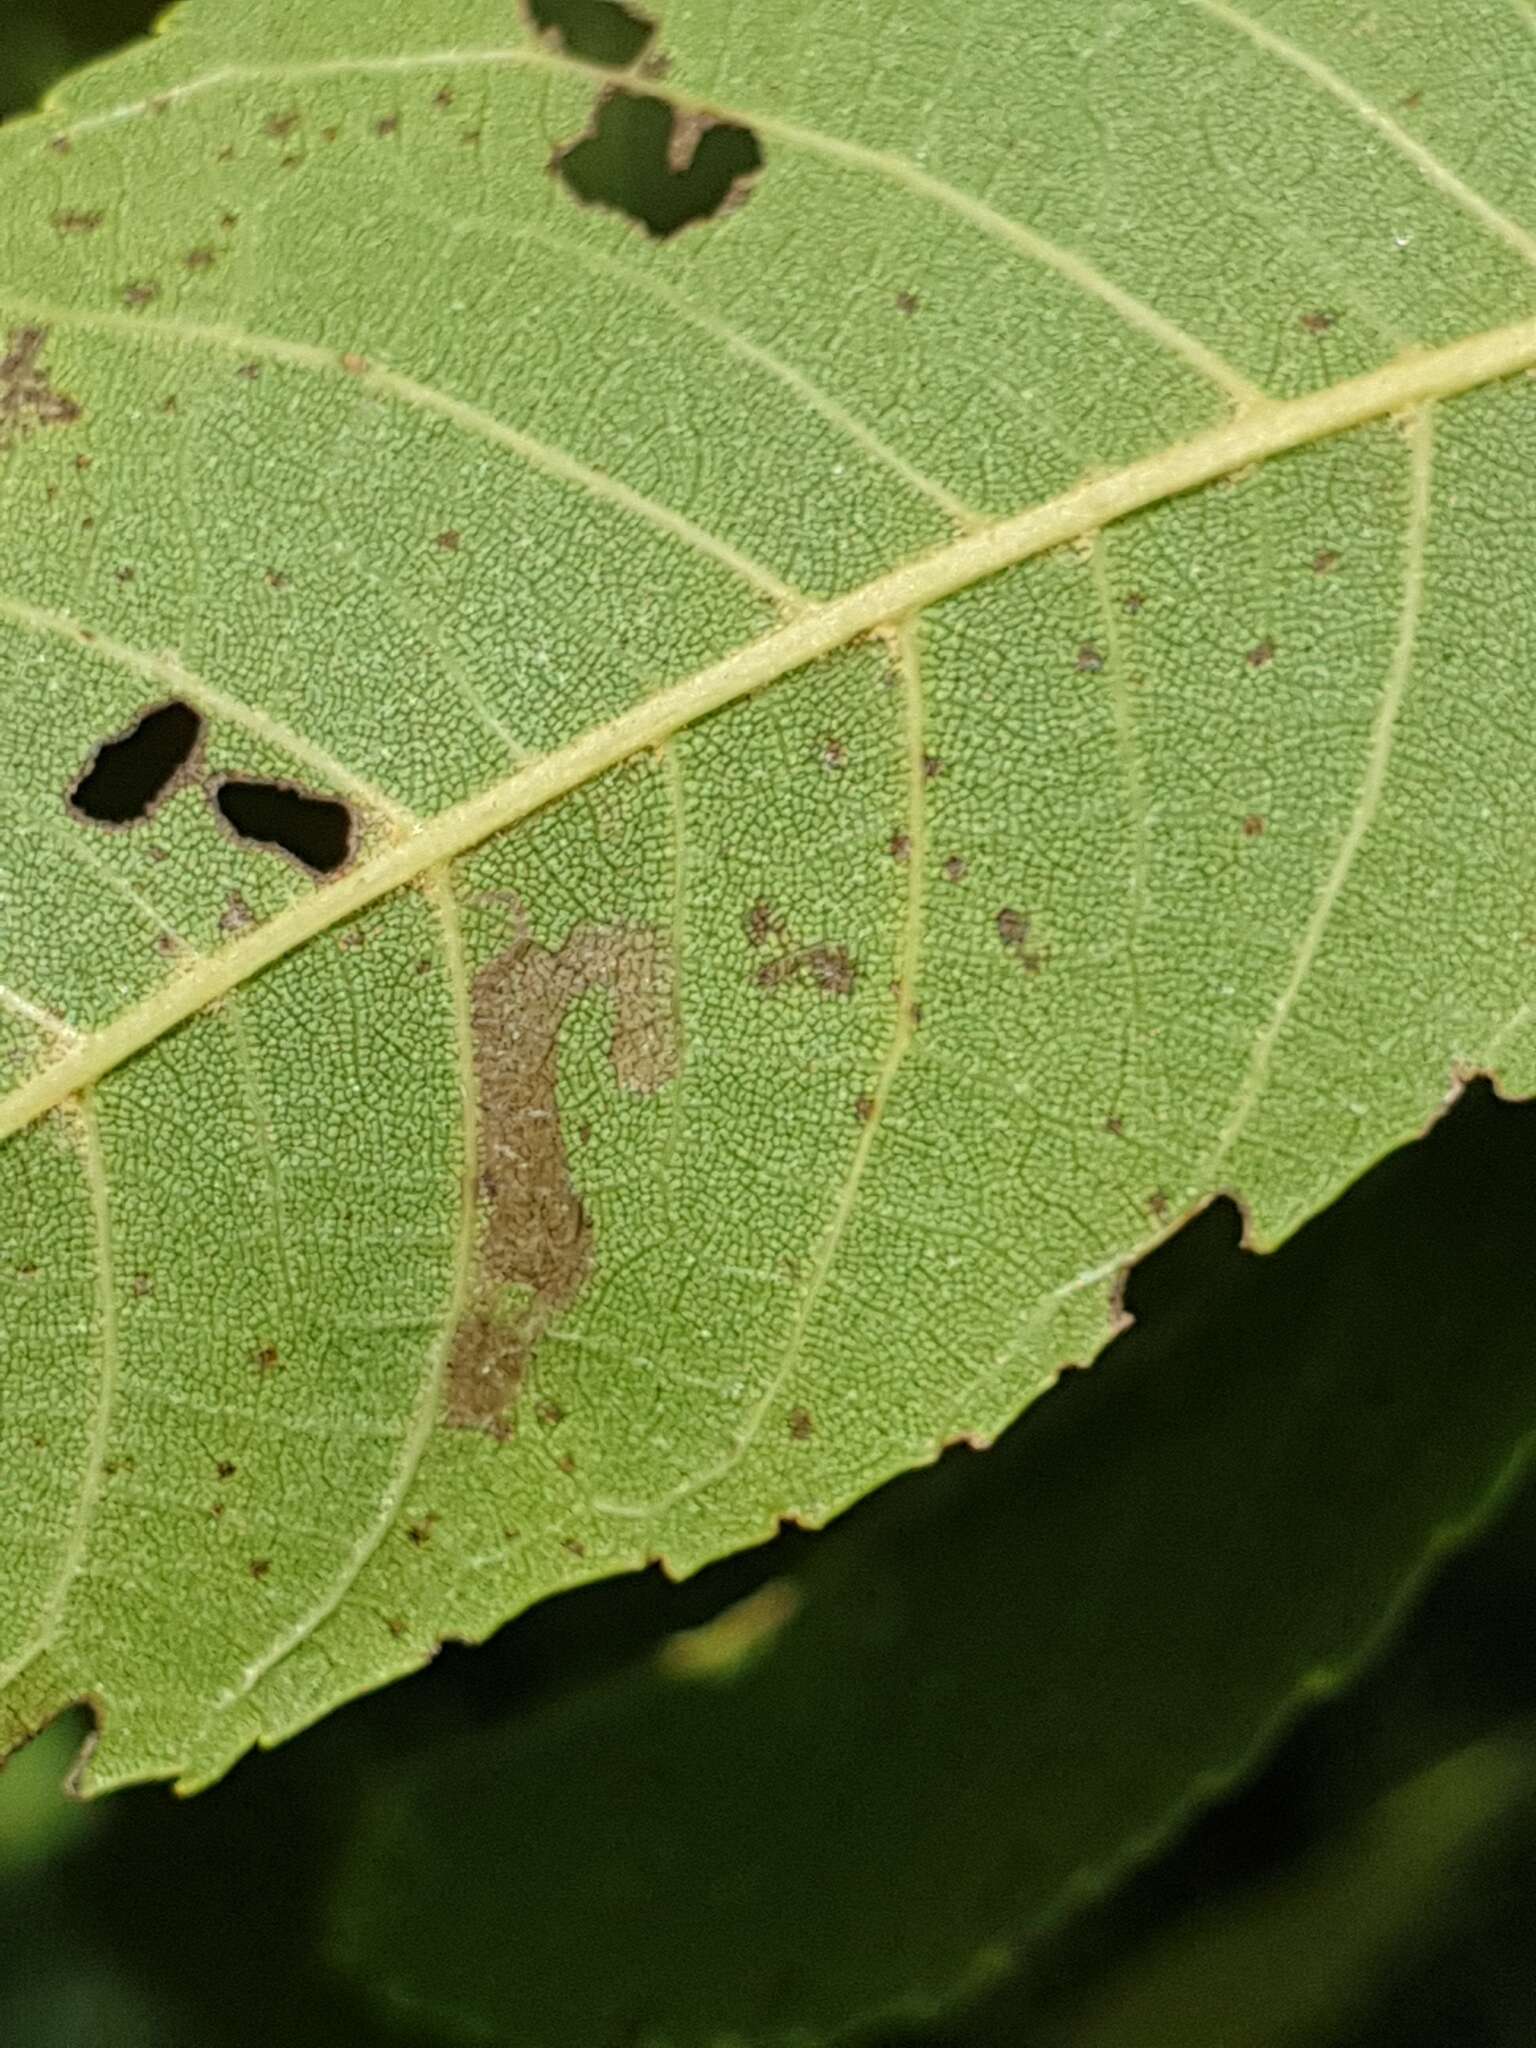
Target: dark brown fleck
point(280, 126)
point(27, 399)
point(389, 125)
point(200, 259)
point(824, 969)
point(260, 1566)
point(1133, 602)
point(1158, 1205)
point(933, 767)
point(266, 1359)
point(864, 1108)
point(762, 923)
point(1253, 826)
point(141, 292)
point(550, 1413)
point(78, 223)
point(1319, 323)
point(224, 1469)
point(1325, 561)
point(801, 1427)
point(249, 371)
point(834, 755)
point(908, 303)
point(448, 540)
point(955, 869)
point(1262, 655)
point(1089, 660)
point(1115, 1126)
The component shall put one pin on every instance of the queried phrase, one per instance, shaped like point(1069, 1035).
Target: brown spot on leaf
point(140, 292)
point(933, 767)
point(448, 540)
point(536, 1247)
point(1262, 655)
point(78, 223)
point(389, 125)
point(249, 372)
point(1115, 1126)
point(200, 259)
point(279, 126)
point(419, 1534)
point(443, 99)
point(224, 1469)
point(801, 1427)
point(1253, 826)
point(908, 303)
point(550, 1413)
point(1133, 602)
point(1324, 562)
point(955, 869)
point(27, 399)
point(1013, 929)
point(1090, 659)
point(834, 755)
point(1319, 323)
point(1158, 1206)
point(266, 1359)
point(824, 969)
point(354, 364)
point(899, 847)
point(864, 1108)
point(762, 923)
point(142, 1286)
point(260, 1566)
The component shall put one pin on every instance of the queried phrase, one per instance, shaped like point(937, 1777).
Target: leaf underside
point(804, 923)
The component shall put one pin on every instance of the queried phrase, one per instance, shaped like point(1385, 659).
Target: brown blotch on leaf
point(908, 303)
point(1115, 1126)
point(762, 923)
point(801, 1427)
point(78, 223)
point(1253, 826)
point(266, 1359)
point(1324, 562)
point(249, 372)
point(550, 1413)
point(574, 1545)
point(443, 99)
point(955, 869)
point(1133, 602)
point(142, 1286)
point(140, 292)
point(864, 1108)
point(27, 398)
point(279, 126)
point(1089, 659)
point(823, 969)
point(834, 755)
point(899, 846)
point(1262, 655)
point(419, 1534)
point(354, 364)
point(449, 539)
point(536, 1244)
point(224, 1469)
point(260, 1566)
point(1158, 1206)
point(389, 125)
point(200, 259)
point(933, 767)
point(1319, 323)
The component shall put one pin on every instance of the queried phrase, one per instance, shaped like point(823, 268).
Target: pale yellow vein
point(542, 456)
point(424, 1415)
point(1252, 437)
point(1423, 159)
point(907, 966)
point(885, 165)
point(81, 1114)
point(1367, 804)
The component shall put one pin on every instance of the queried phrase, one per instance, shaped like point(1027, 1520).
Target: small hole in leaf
point(316, 831)
point(662, 168)
point(127, 776)
point(597, 31)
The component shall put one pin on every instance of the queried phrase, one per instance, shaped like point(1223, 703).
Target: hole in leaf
point(662, 168)
point(315, 831)
point(128, 776)
point(597, 31)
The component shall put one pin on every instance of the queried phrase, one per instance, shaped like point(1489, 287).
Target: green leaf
point(893, 740)
point(868, 1790)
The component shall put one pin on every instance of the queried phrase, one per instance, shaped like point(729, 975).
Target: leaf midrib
point(1253, 436)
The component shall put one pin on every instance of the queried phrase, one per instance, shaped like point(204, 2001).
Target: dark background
point(1316, 1906)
